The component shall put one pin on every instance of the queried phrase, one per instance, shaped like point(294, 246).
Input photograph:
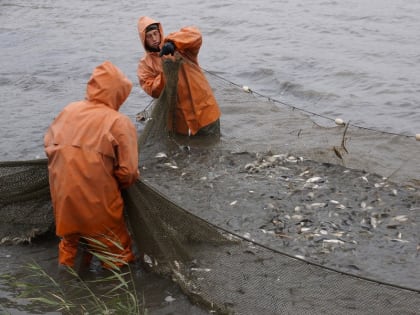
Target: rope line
point(301, 109)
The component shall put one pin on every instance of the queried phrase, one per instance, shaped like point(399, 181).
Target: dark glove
point(168, 48)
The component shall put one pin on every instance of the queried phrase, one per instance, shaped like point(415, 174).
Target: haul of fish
point(318, 212)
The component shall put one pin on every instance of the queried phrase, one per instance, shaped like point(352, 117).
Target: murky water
point(356, 60)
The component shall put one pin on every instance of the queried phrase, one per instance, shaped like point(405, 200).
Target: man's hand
point(168, 48)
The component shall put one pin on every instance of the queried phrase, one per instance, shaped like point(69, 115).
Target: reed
point(112, 291)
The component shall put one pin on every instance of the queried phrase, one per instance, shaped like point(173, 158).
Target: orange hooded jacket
point(92, 154)
point(196, 104)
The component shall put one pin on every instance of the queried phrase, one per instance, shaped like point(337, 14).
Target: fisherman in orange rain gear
point(92, 155)
point(197, 111)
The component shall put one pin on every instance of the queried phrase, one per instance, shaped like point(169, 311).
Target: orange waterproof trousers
point(116, 245)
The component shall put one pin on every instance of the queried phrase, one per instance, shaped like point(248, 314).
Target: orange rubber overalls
point(92, 154)
point(196, 104)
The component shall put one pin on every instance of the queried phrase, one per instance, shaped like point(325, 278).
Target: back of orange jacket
point(196, 104)
point(92, 154)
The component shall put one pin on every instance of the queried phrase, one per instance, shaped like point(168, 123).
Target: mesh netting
point(25, 203)
point(157, 134)
point(216, 267)
point(231, 275)
point(273, 124)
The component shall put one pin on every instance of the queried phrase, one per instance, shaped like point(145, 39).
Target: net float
point(339, 122)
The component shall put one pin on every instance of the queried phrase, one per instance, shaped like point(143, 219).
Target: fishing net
point(182, 231)
point(25, 203)
point(158, 131)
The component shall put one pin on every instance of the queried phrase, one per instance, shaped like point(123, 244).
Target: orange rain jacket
point(92, 154)
point(196, 104)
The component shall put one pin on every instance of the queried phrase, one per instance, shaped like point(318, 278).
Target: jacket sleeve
point(150, 77)
point(187, 41)
point(126, 165)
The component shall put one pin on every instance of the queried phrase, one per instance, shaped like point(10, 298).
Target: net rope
point(295, 107)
